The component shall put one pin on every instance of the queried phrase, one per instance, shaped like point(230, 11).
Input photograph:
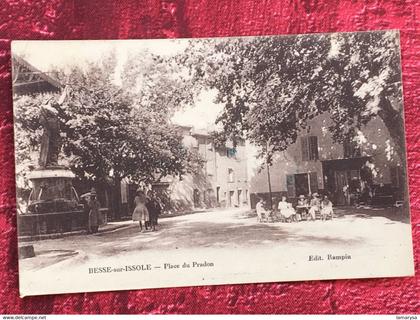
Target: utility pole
point(269, 186)
point(268, 177)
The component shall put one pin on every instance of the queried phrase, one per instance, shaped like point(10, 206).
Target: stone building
point(221, 180)
point(315, 163)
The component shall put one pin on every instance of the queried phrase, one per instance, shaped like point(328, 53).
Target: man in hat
point(314, 206)
point(94, 205)
point(154, 208)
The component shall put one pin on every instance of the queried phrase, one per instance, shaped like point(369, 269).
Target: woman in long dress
point(93, 204)
point(286, 209)
point(326, 209)
point(140, 213)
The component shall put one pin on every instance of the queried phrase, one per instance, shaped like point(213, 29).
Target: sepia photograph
point(186, 162)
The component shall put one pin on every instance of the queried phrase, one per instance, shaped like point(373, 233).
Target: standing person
point(150, 205)
point(93, 207)
point(158, 206)
point(140, 213)
point(154, 208)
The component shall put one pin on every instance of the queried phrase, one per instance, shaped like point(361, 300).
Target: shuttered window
point(313, 182)
point(313, 148)
point(351, 148)
point(395, 176)
point(309, 148)
point(231, 175)
point(231, 152)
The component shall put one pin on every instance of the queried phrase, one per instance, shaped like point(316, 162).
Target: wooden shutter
point(290, 183)
point(395, 176)
point(313, 148)
point(346, 148)
point(313, 181)
point(305, 148)
point(351, 148)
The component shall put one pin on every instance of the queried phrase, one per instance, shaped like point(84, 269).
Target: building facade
point(220, 181)
point(315, 163)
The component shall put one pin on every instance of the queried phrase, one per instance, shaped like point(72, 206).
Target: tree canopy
point(272, 86)
point(108, 132)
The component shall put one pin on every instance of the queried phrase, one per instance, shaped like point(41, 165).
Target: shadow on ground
point(181, 234)
point(391, 213)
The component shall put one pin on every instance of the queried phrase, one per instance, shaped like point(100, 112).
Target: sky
point(48, 55)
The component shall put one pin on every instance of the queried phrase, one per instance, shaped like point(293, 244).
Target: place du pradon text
point(329, 257)
point(193, 264)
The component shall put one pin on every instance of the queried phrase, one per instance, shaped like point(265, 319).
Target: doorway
point(239, 197)
point(301, 184)
point(196, 198)
point(230, 198)
point(341, 183)
point(341, 177)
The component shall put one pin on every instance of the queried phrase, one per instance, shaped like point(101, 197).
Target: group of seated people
point(304, 210)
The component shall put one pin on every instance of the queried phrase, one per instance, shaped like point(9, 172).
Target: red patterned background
point(124, 19)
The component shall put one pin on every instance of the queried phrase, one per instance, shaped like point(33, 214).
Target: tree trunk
point(394, 121)
point(116, 203)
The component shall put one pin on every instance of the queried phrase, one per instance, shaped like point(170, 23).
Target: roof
point(200, 132)
point(29, 80)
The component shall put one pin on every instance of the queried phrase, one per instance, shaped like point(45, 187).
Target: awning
point(346, 163)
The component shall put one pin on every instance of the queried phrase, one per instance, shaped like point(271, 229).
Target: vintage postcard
point(185, 162)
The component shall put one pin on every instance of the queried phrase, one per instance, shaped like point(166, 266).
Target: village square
point(237, 149)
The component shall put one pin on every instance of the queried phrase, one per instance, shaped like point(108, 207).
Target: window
point(231, 152)
point(351, 149)
point(309, 148)
point(231, 175)
point(396, 175)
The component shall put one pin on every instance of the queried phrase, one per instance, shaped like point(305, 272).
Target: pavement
point(231, 228)
point(228, 246)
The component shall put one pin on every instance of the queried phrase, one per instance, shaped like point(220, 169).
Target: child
point(261, 212)
point(302, 207)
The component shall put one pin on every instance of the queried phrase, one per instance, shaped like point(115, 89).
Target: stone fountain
point(53, 206)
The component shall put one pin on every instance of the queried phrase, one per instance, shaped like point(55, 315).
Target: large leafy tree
point(158, 83)
point(107, 134)
point(271, 87)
